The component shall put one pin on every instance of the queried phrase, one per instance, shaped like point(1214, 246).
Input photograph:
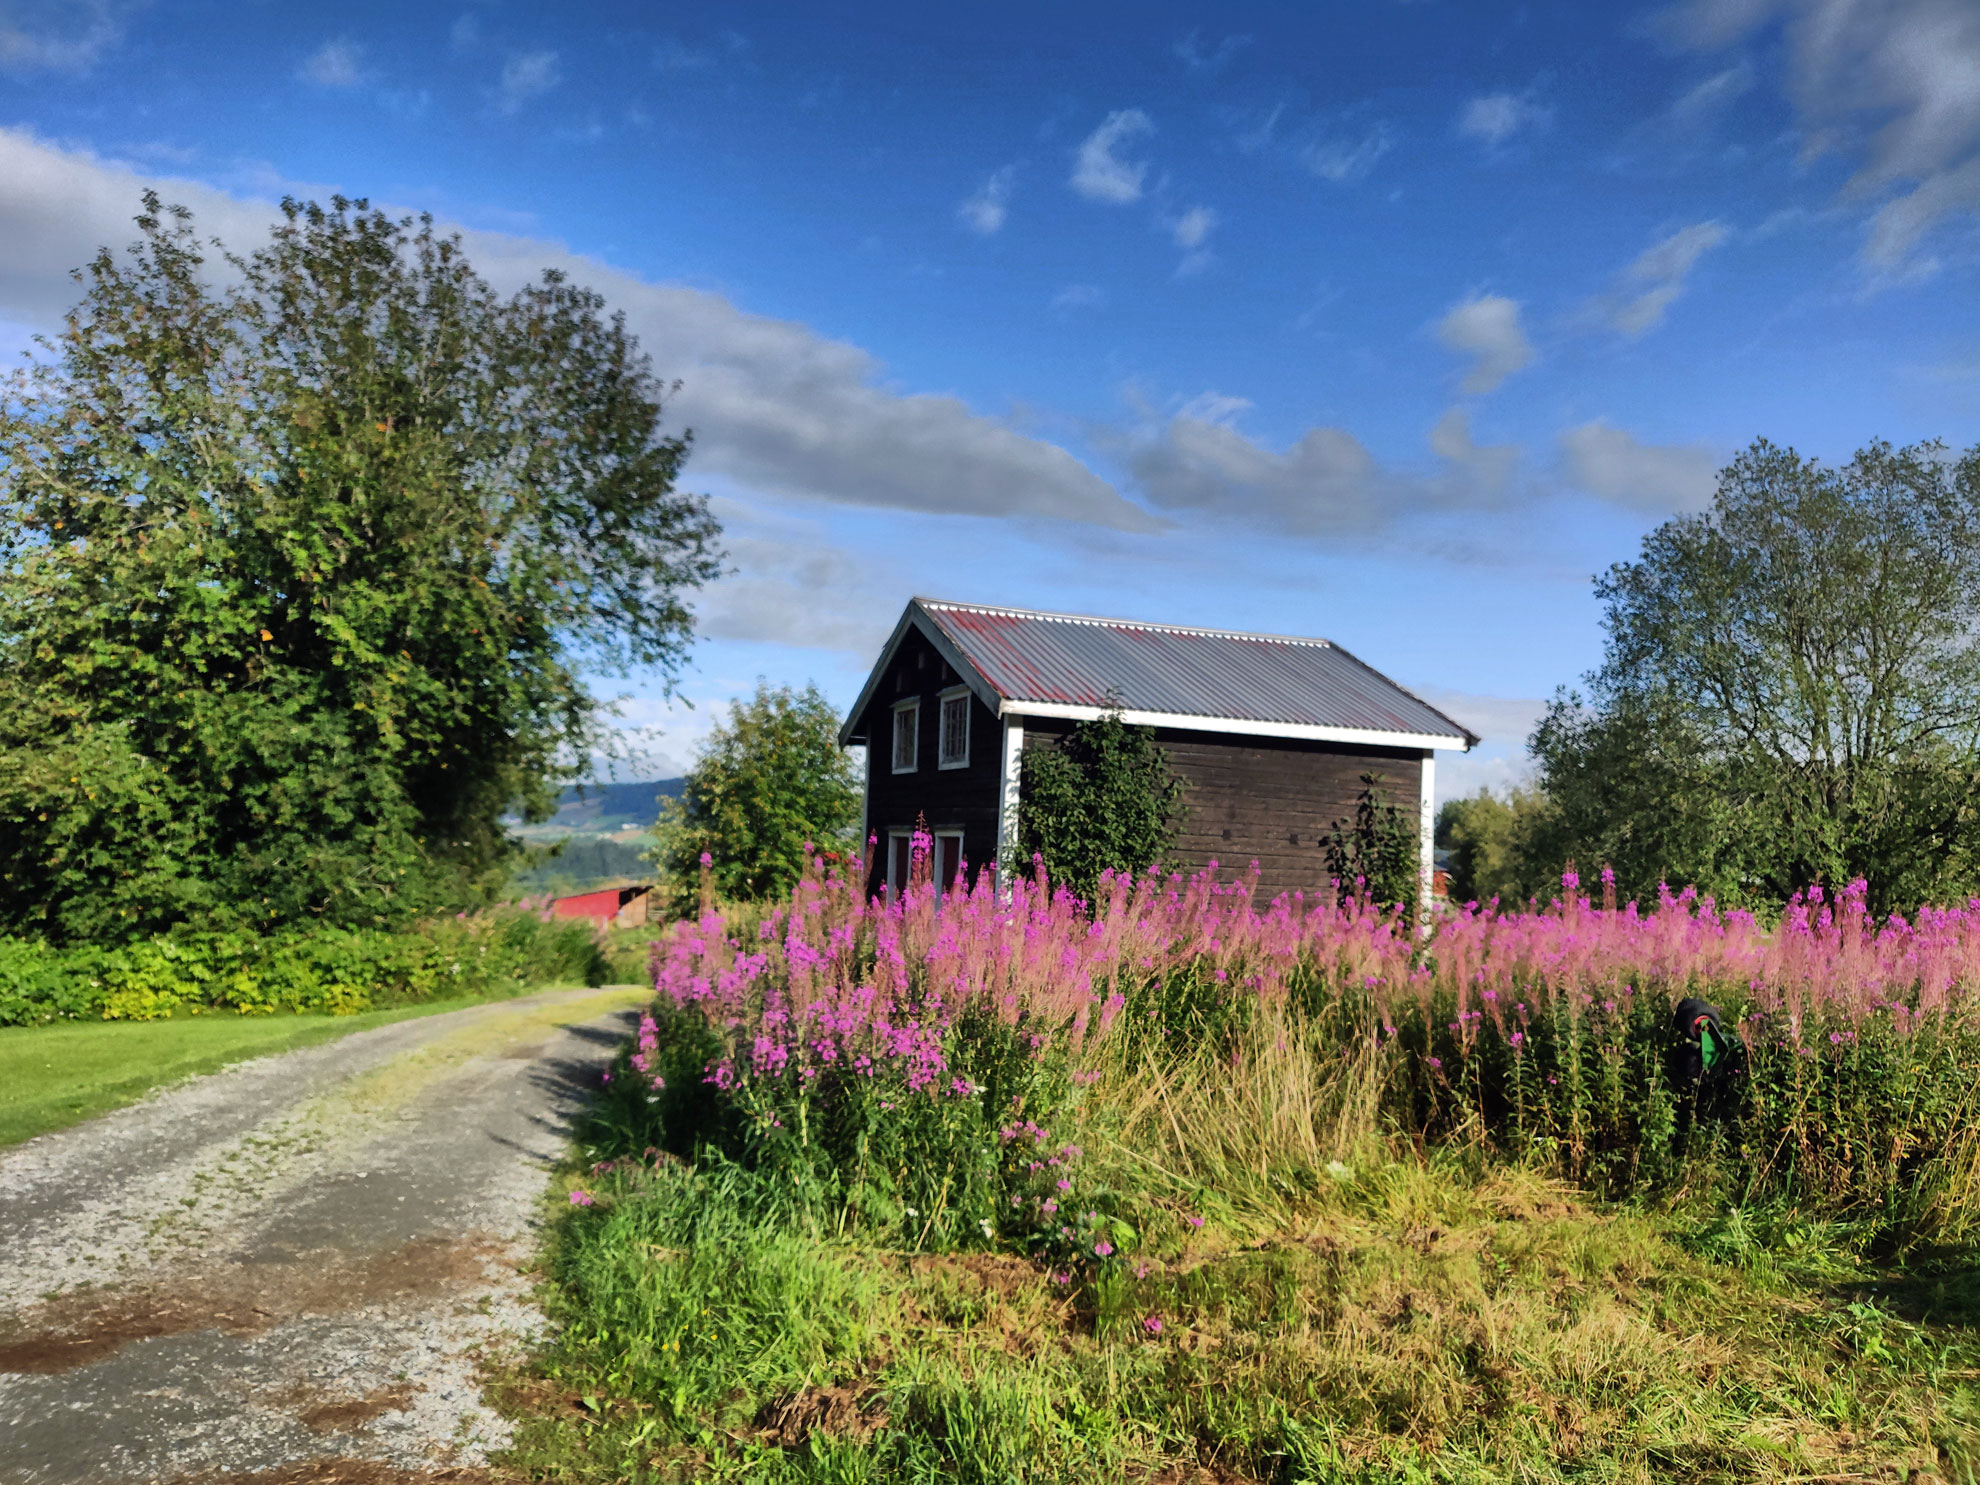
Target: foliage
point(1790, 690)
point(769, 786)
point(1380, 855)
point(1413, 1322)
point(1492, 848)
point(316, 968)
point(1104, 799)
point(871, 1058)
point(298, 562)
point(985, 1187)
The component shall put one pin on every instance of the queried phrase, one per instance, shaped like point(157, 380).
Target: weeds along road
point(292, 1262)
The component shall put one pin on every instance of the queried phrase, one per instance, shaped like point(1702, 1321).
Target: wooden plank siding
point(951, 798)
point(1269, 800)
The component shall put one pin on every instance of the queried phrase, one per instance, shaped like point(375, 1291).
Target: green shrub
point(339, 970)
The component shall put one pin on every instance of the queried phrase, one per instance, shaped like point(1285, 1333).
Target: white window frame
point(942, 727)
point(912, 706)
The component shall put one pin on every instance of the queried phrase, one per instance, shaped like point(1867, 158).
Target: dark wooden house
point(1272, 735)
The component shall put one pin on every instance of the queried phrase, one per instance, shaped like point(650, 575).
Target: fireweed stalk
point(924, 1067)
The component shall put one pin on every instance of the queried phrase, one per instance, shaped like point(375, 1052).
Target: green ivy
point(1380, 854)
point(1104, 799)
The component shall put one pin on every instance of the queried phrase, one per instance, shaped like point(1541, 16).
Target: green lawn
point(53, 1076)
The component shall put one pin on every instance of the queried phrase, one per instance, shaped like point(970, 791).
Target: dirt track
point(288, 1269)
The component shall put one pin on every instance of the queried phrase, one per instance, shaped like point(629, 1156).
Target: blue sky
point(1389, 322)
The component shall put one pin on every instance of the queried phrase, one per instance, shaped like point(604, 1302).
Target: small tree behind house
point(1380, 853)
point(1103, 799)
point(770, 783)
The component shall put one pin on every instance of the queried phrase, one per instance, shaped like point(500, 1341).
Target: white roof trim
point(1190, 722)
point(915, 618)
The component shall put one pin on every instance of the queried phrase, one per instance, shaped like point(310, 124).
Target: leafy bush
point(314, 969)
point(1380, 855)
point(1103, 800)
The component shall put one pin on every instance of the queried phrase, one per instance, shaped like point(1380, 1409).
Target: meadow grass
point(1170, 1188)
point(1409, 1321)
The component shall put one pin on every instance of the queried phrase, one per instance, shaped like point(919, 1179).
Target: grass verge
point(1416, 1322)
point(57, 1075)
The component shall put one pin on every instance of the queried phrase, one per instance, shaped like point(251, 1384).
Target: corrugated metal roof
point(1066, 659)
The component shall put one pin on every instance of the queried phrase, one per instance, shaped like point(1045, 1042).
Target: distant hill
point(603, 809)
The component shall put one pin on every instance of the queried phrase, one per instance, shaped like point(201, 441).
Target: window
point(939, 868)
point(954, 752)
point(948, 859)
point(907, 735)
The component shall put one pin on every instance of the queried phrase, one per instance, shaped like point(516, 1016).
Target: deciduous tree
point(1790, 690)
point(770, 786)
point(304, 552)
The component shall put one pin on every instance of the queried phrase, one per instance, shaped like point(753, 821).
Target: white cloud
point(1326, 484)
point(1191, 232)
point(984, 211)
point(335, 64)
point(1609, 462)
point(1192, 54)
point(1487, 467)
point(1192, 229)
point(1651, 284)
point(1494, 118)
point(527, 75)
point(1099, 173)
point(58, 35)
point(1487, 329)
point(1343, 161)
point(1503, 723)
point(1895, 83)
point(775, 406)
point(791, 586)
point(1079, 296)
point(1700, 104)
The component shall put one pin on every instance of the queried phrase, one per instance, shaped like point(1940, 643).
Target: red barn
point(613, 907)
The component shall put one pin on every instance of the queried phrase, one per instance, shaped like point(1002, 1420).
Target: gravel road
point(287, 1271)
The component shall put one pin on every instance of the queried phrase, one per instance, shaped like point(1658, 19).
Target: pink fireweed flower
point(1064, 1184)
point(1192, 1219)
point(1153, 1324)
point(582, 1198)
point(1103, 1249)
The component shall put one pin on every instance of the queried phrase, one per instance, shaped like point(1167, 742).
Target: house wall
point(1272, 800)
point(950, 798)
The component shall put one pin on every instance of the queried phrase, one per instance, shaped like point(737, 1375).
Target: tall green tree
point(1790, 690)
point(301, 552)
point(769, 785)
point(1489, 838)
point(1103, 799)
